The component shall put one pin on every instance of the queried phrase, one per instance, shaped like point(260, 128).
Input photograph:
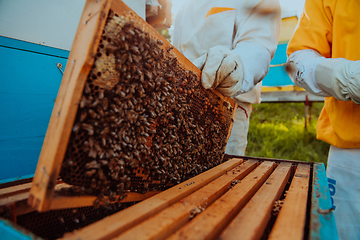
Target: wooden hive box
point(131, 116)
point(254, 198)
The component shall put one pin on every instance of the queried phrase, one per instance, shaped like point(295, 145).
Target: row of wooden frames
point(231, 200)
point(234, 200)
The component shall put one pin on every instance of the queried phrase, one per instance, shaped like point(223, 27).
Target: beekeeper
point(323, 59)
point(232, 42)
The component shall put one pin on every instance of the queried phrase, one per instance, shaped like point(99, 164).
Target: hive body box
point(249, 197)
point(130, 114)
point(253, 199)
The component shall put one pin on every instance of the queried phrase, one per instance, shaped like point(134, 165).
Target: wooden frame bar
point(209, 223)
point(15, 193)
point(290, 224)
point(57, 136)
point(117, 223)
point(252, 220)
point(163, 224)
point(17, 196)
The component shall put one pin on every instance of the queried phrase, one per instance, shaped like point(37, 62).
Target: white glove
point(325, 77)
point(221, 69)
point(301, 66)
point(340, 78)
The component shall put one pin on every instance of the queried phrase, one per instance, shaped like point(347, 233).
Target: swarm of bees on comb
point(144, 122)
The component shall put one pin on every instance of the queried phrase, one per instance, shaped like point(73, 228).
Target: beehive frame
point(80, 64)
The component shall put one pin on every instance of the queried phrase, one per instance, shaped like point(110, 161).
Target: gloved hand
point(325, 77)
point(301, 69)
point(221, 69)
point(340, 78)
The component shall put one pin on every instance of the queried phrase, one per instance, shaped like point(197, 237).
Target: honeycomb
point(53, 224)
point(143, 122)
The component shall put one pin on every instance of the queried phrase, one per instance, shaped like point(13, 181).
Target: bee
point(117, 101)
point(147, 65)
point(96, 203)
point(105, 104)
point(90, 173)
point(83, 116)
point(134, 49)
point(92, 164)
point(69, 163)
point(92, 113)
point(61, 220)
point(100, 111)
point(76, 127)
point(87, 88)
point(103, 141)
point(88, 128)
point(92, 153)
point(130, 31)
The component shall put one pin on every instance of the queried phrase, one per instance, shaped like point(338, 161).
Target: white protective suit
point(249, 28)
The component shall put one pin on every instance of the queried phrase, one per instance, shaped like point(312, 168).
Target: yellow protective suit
point(330, 27)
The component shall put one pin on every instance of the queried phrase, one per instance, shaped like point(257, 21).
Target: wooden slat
point(15, 189)
point(61, 202)
point(62, 118)
point(14, 194)
point(172, 218)
point(128, 218)
point(210, 223)
point(64, 202)
point(14, 198)
point(252, 220)
point(290, 223)
point(20, 192)
point(22, 207)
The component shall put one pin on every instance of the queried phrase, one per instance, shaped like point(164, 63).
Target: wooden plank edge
point(290, 223)
point(63, 115)
point(65, 202)
point(13, 190)
point(213, 220)
point(14, 198)
point(227, 156)
point(10, 182)
point(252, 220)
point(166, 222)
point(22, 207)
point(119, 222)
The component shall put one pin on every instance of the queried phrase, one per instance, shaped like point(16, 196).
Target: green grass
point(277, 131)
